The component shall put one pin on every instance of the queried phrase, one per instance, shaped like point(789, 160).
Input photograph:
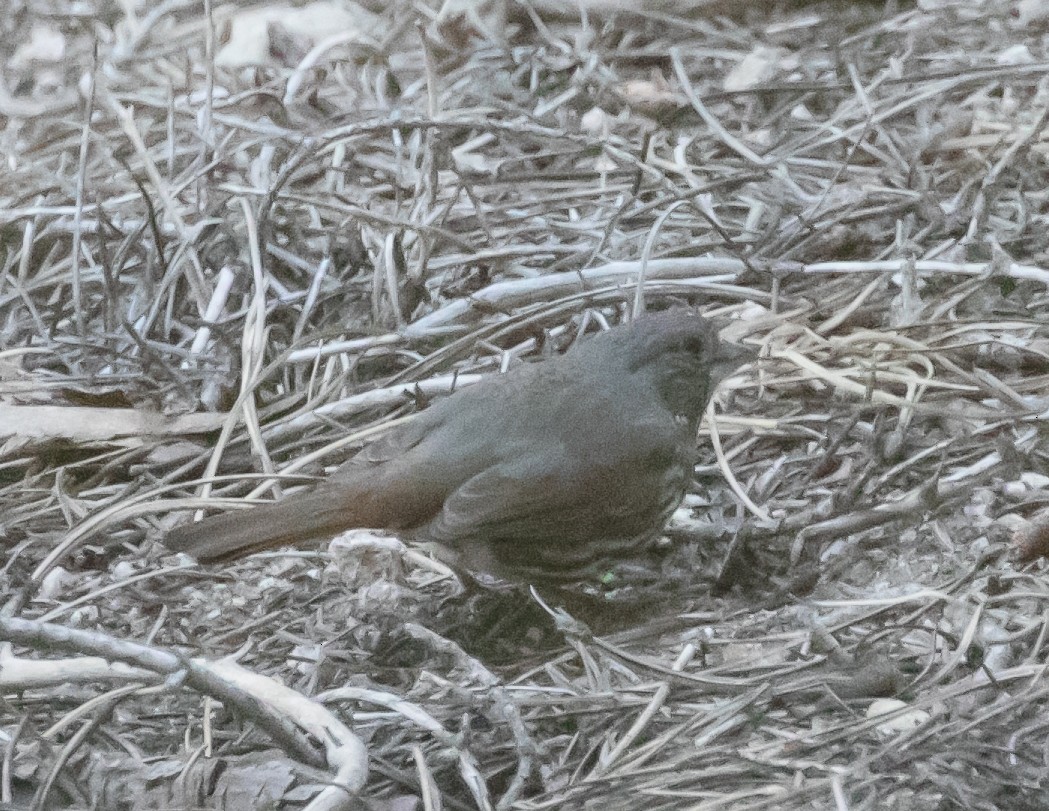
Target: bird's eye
point(693, 345)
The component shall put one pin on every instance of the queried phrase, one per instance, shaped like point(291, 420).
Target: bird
point(545, 473)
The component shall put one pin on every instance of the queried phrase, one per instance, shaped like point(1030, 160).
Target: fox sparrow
point(543, 473)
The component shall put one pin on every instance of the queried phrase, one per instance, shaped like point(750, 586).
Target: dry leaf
point(45, 45)
point(1031, 11)
point(282, 34)
point(757, 68)
point(95, 424)
point(899, 723)
point(652, 97)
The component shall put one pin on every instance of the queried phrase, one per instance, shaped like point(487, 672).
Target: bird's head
point(684, 357)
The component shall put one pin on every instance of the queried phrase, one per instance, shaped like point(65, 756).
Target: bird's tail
point(395, 497)
point(295, 520)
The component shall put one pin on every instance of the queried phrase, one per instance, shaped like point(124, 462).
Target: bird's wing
point(563, 511)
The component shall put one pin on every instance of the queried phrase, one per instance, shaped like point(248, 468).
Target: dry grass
point(225, 279)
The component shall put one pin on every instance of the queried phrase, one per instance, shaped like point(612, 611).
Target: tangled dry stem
point(228, 279)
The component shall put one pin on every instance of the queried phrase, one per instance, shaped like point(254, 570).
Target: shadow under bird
point(545, 473)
